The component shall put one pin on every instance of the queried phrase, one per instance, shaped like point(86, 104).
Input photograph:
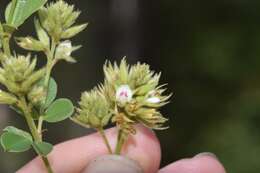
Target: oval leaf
point(18, 132)
point(7, 11)
point(16, 140)
point(59, 110)
point(51, 93)
point(42, 148)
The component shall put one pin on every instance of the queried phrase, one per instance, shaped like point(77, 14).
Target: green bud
point(30, 43)
point(6, 98)
point(71, 32)
point(37, 95)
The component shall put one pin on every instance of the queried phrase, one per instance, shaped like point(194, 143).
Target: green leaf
point(20, 10)
point(17, 131)
point(42, 148)
point(59, 110)
point(51, 93)
point(7, 11)
point(15, 140)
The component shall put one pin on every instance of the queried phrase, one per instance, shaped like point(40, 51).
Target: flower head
point(135, 93)
point(57, 19)
point(18, 73)
point(94, 110)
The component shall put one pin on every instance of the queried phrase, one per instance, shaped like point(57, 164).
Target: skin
point(73, 156)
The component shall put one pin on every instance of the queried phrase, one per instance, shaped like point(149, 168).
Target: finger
point(202, 163)
point(72, 156)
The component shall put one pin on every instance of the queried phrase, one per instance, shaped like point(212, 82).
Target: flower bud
point(153, 100)
point(71, 32)
point(64, 49)
point(30, 43)
point(37, 95)
point(6, 98)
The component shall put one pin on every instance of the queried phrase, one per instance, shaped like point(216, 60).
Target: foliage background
point(209, 54)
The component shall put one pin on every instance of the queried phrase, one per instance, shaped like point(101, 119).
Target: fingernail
point(208, 154)
point(113, 164)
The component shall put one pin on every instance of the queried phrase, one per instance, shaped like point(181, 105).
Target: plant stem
point(36, 136)
point(6, 45)
point(103, 135)
point(120, 141)
point(39, 126)
point(50, 59)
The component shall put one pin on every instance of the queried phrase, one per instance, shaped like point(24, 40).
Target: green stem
point(120, 141)
point(50, 59)
point(39, 126)
point(6, 44)
point(103, 135)
point(36, 136)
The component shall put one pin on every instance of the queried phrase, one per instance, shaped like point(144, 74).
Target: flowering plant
point(31, 92)
point(128, 95)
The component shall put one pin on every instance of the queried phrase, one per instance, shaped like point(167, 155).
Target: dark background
point(208, 52)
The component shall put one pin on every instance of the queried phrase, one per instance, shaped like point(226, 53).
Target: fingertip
point(202, 163)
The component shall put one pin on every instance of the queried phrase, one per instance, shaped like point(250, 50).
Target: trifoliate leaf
point(59, 110)
point(42, 148)
point(15, 140)
point(18, 11)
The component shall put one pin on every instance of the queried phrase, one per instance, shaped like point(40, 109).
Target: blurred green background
point(209, 54)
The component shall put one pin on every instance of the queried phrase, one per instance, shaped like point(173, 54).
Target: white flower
point(64, 49)
point(124, 94)
point(153, 100)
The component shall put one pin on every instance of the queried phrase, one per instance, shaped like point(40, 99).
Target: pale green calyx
point(64, 50)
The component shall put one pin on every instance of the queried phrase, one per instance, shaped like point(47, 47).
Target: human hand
point(74, 155)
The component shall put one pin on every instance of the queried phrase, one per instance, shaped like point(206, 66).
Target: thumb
point(113, 164)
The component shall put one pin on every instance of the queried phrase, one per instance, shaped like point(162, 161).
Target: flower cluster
point(57, 19)
point(128, 95)
point(18, 73)
point(94, 109)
